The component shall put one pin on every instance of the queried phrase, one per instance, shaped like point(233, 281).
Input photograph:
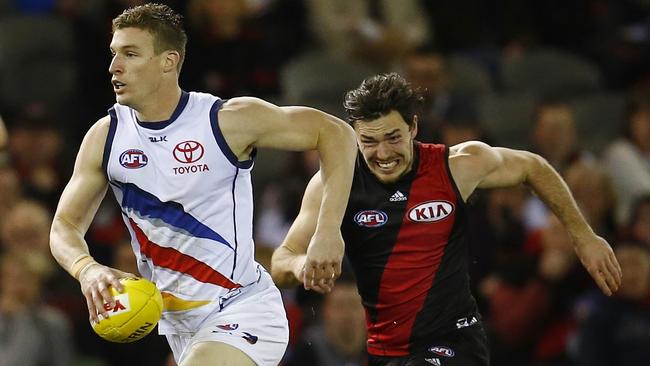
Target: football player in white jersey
point(148, 48)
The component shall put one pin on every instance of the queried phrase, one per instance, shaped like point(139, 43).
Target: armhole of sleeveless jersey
point(109, 141)
point(450, 177)
point(221, 140)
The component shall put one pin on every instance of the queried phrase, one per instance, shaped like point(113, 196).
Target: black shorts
point(463, 347)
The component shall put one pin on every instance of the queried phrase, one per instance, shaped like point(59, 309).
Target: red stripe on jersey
point(414, 261)
point(173, 259)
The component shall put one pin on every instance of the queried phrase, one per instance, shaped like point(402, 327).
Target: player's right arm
point(75, 211)
point(288, 261)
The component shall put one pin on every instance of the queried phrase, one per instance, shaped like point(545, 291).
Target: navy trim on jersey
point(221, 140)
point(112, 127)
point(234, 221)
point(185, 97)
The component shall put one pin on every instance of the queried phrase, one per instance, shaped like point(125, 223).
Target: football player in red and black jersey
point(404, 229)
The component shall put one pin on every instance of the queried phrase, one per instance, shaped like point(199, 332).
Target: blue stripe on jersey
point(112, 127)
point(221, 141)
point(172, 213)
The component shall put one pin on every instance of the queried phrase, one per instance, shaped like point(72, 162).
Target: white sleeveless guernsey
point(188, 204)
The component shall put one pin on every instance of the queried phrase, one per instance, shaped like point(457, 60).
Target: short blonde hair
point(161, 21)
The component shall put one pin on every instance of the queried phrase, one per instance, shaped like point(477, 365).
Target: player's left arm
point(249, 123)
point(477, 165)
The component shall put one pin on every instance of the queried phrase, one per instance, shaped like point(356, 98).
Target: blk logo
point(371, 218)
point(188, 152)
point(158, 139)
point(431, 211)
point(133, 159)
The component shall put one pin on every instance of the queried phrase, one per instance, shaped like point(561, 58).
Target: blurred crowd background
point(566, 79)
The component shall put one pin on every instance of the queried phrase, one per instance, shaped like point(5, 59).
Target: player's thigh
point(216, 354)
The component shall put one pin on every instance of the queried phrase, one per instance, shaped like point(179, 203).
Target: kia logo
point(431, 211)
point(188, 152)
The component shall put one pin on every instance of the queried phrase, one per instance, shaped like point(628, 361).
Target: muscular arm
point(288, 260)
point(248, 123)
point(477, 165)
point(80, 199)
point(75, 211)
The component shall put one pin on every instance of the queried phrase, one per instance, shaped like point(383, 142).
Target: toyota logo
point(188, 152)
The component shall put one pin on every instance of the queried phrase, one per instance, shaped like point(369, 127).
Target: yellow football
point(136, 312)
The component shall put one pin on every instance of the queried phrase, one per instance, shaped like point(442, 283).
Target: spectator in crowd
point(639, 223)
point(530, 298)
point(617, 331)
point(242, 31)
point(339, 338)
point(31, 333)
point(40, 169)
point(27, 228)
point(553, 137)
point(11, 191)
point(628, 158)
point(594, 193)
point(428, 71)
point(447, 116)
point(281, 198)
point(496, 236)
point(376, 32)
point(3, 135)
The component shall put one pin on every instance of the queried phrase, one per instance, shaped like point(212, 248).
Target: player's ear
point(413, 129)
point(171, 60)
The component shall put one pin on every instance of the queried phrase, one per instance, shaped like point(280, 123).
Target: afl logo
point(442, 351)
point(431, 211)
point(133, 159)
point(188, 152)
point(370, 218)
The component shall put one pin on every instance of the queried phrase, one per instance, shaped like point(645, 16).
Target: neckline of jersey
point(159, 125)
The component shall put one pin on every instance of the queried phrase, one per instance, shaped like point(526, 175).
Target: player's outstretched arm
point(288, 261)
point(75, 211)
point(477, 165)
point(248, 123)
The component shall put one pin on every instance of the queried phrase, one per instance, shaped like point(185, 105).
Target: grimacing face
point(386, 144)
point(135, 68)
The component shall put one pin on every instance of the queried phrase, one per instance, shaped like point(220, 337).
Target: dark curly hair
point(161, 21)
point(379, 95)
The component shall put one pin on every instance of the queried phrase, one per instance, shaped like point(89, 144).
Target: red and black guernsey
point(406, 244)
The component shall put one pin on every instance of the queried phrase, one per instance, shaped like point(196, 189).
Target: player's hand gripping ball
point(136, 312)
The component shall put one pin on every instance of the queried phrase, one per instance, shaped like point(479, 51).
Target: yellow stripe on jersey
point(173, 303)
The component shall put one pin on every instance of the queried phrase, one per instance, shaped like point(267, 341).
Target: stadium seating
point(36, 60)
point(549, 72)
